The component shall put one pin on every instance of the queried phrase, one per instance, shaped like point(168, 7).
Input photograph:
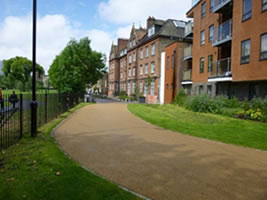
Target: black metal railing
point(15, 117)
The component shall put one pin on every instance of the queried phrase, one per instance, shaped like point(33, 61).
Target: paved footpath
point(158, 163)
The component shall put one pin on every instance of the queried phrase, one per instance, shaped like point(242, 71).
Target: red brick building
point(229, 48)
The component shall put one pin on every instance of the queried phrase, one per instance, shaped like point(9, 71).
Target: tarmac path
point(157, 163)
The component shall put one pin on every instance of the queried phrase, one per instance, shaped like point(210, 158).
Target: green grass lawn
point(215, 127)
point(29, 92)
point(38, 169)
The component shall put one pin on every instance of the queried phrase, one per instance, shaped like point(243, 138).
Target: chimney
point(150, 21)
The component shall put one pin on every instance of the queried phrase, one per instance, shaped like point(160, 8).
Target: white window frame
point(141, 87)
point(130, 59)
point(146, 69)
point(152, 88)
point(129, 72)
point(141, 54)
point(153, 49)
point(147, 52)
point(152, 67)
point(141, 69)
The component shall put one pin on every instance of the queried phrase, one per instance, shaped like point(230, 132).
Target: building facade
point(229, 52)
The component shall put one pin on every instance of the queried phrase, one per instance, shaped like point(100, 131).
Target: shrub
point(202, 103)
point(133, 97)
point(180, 98)
point(123, 95)
point(250, 114)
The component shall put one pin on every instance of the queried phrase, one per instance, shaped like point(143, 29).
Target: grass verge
point(37, 169)
point(210, 126)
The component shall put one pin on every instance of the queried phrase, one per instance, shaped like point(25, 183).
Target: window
point(245, 51)
point(263, 55)
point(211, 32)
point(129, 73)
point(152, 88)
point(146, 52)
point(168, 62)
point(209, 90)
point(141, 54)
point(210, 61)
point(141, 69)
point(134, 42)
point(247, 9)
point(173, 60)
point(134, 71)
point(203, 9)
point(133, 88)
point(201, 69)
point(134, 57)
point(153, 48)
point(167, 86)
point(202, 38)
point(130, 59)
point(201, 90)
point(264, 5)
point(129, 88)
point(211, 5)
point(146, 69)
point(151, 31)
point(146, 90)
point(141, 87)
point(152, 67)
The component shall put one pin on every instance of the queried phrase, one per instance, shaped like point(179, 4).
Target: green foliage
point(133, 97)
point(76, 67)
point(148, 81)
point(180, 98)
point(123, 95)
point(202, 103)
point(17, 73)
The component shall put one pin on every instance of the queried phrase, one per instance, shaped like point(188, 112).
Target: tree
point(17, 72)
point(76, 67)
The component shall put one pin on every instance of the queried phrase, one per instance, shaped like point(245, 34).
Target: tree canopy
point(17, 72)
point(76, 67)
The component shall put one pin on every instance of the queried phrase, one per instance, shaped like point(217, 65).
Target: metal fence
point(15, 118)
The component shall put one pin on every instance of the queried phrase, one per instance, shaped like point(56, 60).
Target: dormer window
point(134, 42)
point(151, 31)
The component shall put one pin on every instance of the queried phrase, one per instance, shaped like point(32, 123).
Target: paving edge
point(52, 134)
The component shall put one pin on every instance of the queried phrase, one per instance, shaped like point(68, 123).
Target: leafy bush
point(202, 103)
point(180, 98)
point(250, 114)
point(133, 97)
point(123, 95)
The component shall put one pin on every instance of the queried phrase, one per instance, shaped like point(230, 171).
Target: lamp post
point(34, 102)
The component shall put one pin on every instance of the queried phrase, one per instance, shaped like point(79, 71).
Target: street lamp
point(34, 102)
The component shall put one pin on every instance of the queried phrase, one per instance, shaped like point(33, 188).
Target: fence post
point(21, 116)
point(46, 108)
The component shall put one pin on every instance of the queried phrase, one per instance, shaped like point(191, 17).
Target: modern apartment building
point(114, 66)
point(229, 51)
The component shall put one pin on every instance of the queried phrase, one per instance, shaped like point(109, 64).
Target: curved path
point(158, 163)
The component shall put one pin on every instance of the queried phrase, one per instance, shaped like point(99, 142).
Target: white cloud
point(137, 11)
point(53, 33)
point(124, 32)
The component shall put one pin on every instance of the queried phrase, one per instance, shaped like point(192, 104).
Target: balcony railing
point(223, 33)
point(189, 28)
point(188, 52)
point(187, 75)
point(221, 68)
point(218, 4)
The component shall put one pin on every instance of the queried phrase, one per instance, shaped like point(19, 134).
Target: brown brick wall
point(199, 51)
point(250, 29)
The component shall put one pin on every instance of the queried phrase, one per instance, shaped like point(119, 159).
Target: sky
point(103, 21)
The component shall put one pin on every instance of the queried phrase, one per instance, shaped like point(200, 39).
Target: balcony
point(222, 34)
point(189, 29)
point(221, 70)
point(221, 5)
point(188, 52)
point(187, 75)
